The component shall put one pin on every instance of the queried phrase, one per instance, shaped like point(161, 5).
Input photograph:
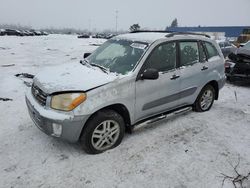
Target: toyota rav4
point(130, 79)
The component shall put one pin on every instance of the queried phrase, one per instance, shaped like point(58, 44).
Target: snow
point(188, 151)
point(147, 37)
point(80, 77)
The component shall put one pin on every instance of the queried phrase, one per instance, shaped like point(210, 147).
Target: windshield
point(247, 46)
point(118, 56)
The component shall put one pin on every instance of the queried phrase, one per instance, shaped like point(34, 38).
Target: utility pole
point(116, 21)
point(89, 25)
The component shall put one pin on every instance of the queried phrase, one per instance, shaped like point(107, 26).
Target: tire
point(103, 131)
point(205, 99)
point(229, 79)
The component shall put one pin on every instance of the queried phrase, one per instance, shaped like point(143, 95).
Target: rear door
point(192, 67)
point(156, 96)
point(200, 62)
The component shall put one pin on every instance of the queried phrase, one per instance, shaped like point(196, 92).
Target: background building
point(217, 32)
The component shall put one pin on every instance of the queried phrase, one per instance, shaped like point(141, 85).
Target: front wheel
point(205, 99)
point(105, 130)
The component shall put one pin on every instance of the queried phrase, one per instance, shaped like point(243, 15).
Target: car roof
point(150, 37)
point(142, 37)
point(222, 41)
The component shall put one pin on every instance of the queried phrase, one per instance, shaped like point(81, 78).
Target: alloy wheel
point(105, 135)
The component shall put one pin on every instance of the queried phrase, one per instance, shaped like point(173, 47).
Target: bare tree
point(174, 23)
point(135, 27)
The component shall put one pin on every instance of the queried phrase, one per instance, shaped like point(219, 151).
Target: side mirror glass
point(85, 55)
point(150, 74)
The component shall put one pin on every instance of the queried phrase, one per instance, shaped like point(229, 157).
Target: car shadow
point(148, 127)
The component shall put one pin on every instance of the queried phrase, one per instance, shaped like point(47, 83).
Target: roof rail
point(187, 33)
point(151, 31)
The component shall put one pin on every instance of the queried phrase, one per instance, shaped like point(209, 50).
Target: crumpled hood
point(241, 55)
point(243, 51)
point(71, 77)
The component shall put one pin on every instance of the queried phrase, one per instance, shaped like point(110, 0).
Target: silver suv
point(130, 79)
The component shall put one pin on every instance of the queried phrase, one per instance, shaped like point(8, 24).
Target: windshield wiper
point(84, 61)
point(101, 67)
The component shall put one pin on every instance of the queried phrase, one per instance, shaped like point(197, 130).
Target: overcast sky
point(153, 14)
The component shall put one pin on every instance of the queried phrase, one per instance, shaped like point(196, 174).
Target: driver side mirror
point(85, 55)
point(150, 74)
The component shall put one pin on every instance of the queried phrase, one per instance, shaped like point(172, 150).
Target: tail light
point(228, 64)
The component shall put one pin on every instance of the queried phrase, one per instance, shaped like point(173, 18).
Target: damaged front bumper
point(233, 74)
point(238, 69)
point(60, 124)
point(238, 77)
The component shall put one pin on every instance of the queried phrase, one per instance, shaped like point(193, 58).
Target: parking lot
point(191, 150)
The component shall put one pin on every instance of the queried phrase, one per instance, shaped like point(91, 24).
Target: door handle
point(174, 77)
point(204, 68)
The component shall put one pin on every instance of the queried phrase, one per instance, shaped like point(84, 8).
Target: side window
point(163, 57)
point(189, 53)
point(211, 50)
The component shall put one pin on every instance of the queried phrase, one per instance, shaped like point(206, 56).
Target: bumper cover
point(222, 82)
point(44, 119)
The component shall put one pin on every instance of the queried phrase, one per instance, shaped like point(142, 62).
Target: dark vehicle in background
point(237, 67)
point(44, 33)
point(109, 36)
point(84, 36)
point(226, 47)
point(15, 32)
point(98, 36)
point(29, 33)
point(2, 32)
point(37, 33)
point(103, 36)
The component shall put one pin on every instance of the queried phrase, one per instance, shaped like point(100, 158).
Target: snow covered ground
point(188, 151)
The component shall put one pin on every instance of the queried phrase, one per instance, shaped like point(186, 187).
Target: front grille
point(39, 95)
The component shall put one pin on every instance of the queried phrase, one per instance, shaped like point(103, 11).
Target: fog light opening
point(57, 129)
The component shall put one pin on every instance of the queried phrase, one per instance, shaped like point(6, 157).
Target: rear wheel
point(205, 99)
point(103, 131)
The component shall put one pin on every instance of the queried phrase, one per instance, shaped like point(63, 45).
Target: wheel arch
point(119, 108)
point(215, 85)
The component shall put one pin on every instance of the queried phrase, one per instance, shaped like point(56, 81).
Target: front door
point(162, 94)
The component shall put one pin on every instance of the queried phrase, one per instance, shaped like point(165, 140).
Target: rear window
point(189, 53)
point(211, 50)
